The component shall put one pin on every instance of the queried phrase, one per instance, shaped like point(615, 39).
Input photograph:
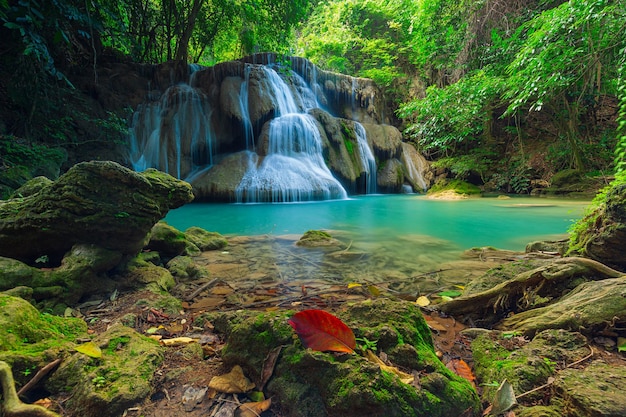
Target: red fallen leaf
point(321, 331)
point(462, 369)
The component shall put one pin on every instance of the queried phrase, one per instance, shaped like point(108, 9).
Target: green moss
point(117, 343)
point(309, 383)
point(119, 378)
point(349, 147)
point(316, 235)
point(523, 368)
point(458, 186)
point(26, 330)
point(586, 228)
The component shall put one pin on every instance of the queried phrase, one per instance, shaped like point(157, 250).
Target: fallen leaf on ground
point(268, 366)
point(234, 382)
point(176, 341)
point(89, 349)
point(321, 331)
point(253, 409)
point(462, 369)
point(422, 301)
point(193, 396)
point(404, 377)
point(503, 401)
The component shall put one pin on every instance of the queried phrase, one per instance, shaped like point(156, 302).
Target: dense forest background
point(504, 94)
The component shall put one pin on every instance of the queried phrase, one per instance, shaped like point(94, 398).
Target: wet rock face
point(99, 203)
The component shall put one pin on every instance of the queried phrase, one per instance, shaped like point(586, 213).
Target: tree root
point(12, 406)
point(519, 292)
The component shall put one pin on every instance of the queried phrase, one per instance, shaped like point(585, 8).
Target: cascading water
point(255, 131)
point(173, 134)
point(245, 112)
point(294, 168)
point(367, 158)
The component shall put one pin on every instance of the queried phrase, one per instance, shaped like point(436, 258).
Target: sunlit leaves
point(565, 52)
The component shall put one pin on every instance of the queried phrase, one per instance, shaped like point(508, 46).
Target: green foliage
point(514, 176)
point(449, 118)
point(479, 161)
point(458, 186)
point(14, 151)
point(565, 50)
point(366, 38)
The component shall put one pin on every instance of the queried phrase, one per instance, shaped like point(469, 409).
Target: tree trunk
point(182, 53)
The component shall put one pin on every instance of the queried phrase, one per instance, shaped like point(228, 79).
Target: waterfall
point(367, 158)
point(255, 131)
point(173, 134)
point(245, 112)
point(294, 167)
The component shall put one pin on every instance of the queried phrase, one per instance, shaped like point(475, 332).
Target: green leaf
point(621, 344)
point(450, 293)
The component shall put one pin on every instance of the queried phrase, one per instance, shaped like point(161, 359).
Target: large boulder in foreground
point(320, 384)
point(95, 202)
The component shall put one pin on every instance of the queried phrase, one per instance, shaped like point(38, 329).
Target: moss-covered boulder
point(526, 365)
point(446, 189)
point(185, 268)
point(30, 340)
point(318, 239)
point(167, 240)
point(204, 239)
point(589, 389)
point(601, 235)
point(82, 272)
point(310, 383)
point(32, 186)
point(108, 385)
point(94, 202)
point(596, 390)
point(141, 272)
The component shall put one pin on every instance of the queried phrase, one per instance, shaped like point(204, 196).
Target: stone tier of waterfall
point(264, 129)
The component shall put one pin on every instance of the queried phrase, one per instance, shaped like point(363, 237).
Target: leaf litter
point(268, 280)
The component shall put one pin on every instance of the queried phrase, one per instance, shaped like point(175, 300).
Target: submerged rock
point(95, 202)
point(317, 239)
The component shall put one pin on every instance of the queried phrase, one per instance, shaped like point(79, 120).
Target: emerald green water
point(461, 224)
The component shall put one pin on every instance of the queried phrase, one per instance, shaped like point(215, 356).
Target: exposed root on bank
point(13, 406)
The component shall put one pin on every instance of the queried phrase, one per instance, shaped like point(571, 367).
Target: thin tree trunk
point(182, 53)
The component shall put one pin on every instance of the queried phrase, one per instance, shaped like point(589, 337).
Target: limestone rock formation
point(99, 203)
point(218, 126)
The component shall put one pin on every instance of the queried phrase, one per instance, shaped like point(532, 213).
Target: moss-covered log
point(528, 289)
point(592, 306)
